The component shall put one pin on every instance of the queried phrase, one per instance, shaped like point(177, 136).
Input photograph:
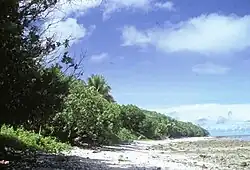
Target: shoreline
point(173, 154)
point(197, 153)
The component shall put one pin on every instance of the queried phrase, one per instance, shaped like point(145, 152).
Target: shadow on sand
point(21, 156)
point(43, 161)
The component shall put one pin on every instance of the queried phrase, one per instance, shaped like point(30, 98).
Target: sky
point(186, 58)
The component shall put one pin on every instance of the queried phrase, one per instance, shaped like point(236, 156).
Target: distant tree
point(100, 84)
point(132, 117)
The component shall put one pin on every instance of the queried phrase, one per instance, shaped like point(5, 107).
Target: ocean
point(238, 137)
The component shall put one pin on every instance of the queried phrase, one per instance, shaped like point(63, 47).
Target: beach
point(170, 154)
point(175, 154)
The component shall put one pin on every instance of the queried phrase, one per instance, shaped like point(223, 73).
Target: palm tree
point(100, 85)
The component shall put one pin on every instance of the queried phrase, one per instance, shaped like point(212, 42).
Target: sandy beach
point(176, 154)
point(170, 154)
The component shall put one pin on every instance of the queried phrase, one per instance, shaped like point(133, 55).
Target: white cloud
point(209, 114)
point(80, 7)
point(64, 8)
point(210, 68)
point(62, 19)
point(111, 6)
point(91, 29)
point(65, 29)
point(240, 112)
point(98, 58)
point(60, 31)
point(131, 36)
point(206, 34)
point(166, 5)
point(61, 23)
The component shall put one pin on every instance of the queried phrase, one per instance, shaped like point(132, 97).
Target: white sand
point(138, 155)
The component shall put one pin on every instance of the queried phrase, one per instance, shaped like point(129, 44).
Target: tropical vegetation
point(100, 84)
point(46, 107)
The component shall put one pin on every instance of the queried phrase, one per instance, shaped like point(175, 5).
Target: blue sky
point(181, 56)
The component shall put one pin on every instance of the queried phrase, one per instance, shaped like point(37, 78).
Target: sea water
point(240, 135)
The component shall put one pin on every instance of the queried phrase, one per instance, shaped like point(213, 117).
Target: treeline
point(52, 102)
point(91, 115)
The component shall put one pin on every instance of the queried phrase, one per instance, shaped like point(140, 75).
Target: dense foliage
point(87, 115)
point(44, 99)
point(20, 139)
point(99, 83)
point(30, 93)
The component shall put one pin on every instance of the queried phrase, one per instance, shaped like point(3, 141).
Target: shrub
point(132, 117)
point(21, 139)
point(87, 115)
point(126, 135)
